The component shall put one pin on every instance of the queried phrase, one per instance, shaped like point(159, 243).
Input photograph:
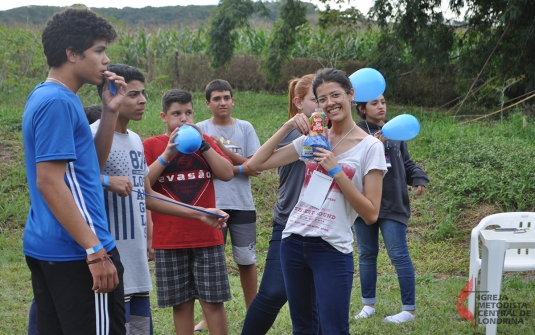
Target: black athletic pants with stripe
point(66, 305)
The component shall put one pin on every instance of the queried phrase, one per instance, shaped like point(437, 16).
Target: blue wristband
point(164, 163)
point(335, 171)
point(105, 181)
point(240, 169)
point(94, 249)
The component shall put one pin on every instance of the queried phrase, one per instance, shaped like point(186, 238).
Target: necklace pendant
point(228, 141)
point(222, 139)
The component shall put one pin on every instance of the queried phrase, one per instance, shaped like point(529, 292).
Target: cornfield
point(177, 58)
point(154, 49)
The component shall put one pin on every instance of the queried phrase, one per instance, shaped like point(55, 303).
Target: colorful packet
point(318, 137)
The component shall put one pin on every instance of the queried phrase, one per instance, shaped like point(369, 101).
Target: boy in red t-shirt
point(189, 255)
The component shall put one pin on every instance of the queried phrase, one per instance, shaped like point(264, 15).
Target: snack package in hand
point(318, 137)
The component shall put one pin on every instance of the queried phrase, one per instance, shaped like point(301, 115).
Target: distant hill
point(175, 16)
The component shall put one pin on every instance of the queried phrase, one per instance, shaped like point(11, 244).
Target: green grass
point(476, 169)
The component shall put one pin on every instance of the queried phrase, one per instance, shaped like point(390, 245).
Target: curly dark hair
point(74, 29)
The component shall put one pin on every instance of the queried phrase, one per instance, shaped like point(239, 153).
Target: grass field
point(476, 169)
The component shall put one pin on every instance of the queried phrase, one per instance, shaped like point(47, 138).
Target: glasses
point(335, 97)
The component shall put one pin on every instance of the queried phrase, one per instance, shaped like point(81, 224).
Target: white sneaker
point(400, 318)
point(365, 313)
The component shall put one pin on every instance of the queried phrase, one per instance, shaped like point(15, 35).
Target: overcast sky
point(362, 5)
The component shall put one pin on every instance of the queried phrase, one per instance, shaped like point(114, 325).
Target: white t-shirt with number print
point(334, 220)
point(127, 217)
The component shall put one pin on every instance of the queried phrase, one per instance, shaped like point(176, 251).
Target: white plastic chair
point(515, 259)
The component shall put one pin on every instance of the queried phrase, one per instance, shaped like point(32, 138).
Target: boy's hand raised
point(170, 150)
point(112, 101)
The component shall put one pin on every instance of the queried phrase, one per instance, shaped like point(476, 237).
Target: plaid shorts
point(195, 273)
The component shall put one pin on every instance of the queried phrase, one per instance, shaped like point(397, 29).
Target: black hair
point(128, 72)
point(174, 95)
point(74, 29)
point(93, 112)
point(360, 106)
point(328, 75)
point(217, 85)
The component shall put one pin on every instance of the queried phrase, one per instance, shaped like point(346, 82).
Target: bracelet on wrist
point(240, 169)
point(105, 181)
point(335, 171)
point(104, 258)
point(205, 146)
point(95, 249)
point(164, 163)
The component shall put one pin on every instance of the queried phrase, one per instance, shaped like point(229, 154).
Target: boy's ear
point(163, 116)
point(207, 103)
point(71, 55)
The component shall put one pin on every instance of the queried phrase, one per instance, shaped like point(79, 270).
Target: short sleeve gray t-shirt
point(242, 140)
point(127, 217)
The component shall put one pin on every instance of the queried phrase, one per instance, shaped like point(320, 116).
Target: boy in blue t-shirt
point(76, 269)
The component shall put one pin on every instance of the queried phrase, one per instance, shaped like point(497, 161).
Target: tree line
point(486, 58)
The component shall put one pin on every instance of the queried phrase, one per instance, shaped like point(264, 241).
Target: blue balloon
point(113, 88)
point(368, 84)
point(403, 127)
point(189, 139)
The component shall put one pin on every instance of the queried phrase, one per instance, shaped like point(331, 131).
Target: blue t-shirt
point(54, 127)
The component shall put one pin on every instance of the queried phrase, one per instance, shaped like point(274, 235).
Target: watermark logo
point(498, 309)
point(462, 309)
point(491, 308)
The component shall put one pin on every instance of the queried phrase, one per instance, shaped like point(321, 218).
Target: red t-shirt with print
point(188, 179)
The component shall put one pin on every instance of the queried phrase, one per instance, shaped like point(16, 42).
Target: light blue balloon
point(189, 139)
point(368, 84)
point(403, 127)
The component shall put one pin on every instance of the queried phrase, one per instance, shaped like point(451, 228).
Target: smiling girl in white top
point(316, 250)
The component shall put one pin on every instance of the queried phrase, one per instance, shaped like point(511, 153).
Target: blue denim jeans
point(272, 293)
point(316, 274)
point(32, 319)
point(395, 238)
